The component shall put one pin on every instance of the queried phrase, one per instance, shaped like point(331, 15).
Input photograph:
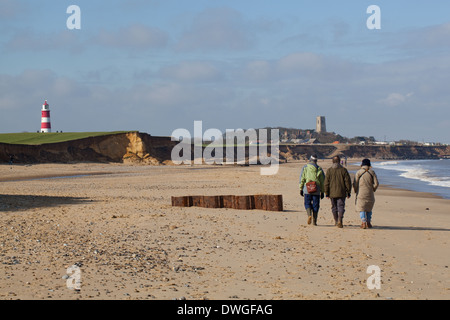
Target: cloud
point(340, 29)
point(288, 91)
point(301, 62)
point(304, 39)
point(133, 5)
point(196, 71)
point(135, 36)
point(77, 106)
point(217, 29)
point(28, 40)
point(257, 70)
point(298, 66)
point(435, 37)
point(10, 9)
point(38, 85)
point(417, 42)
point(396, 99)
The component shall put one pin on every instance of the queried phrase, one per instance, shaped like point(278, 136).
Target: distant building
point(320, 125)
point(312, 141)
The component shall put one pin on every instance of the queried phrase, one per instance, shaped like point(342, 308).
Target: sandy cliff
point(300, 152)
point(123, 147)
point(137, 147)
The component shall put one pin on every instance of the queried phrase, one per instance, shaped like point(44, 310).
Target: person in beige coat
point(365, 183)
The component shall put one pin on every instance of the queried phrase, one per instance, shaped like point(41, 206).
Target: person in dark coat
point(338, 187)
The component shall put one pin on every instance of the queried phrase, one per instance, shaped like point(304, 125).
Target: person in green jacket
point(312, 172)
point(338, 186)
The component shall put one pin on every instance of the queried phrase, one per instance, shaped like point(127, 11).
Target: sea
point(432, 176)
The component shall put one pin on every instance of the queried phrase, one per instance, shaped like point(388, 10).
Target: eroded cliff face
point(142, 148)
point(145, 149)
point(132, 147)
point(372, 151)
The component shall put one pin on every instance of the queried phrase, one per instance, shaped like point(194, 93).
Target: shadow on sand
point(25, 202)
point(404, 228)
point(409, 228)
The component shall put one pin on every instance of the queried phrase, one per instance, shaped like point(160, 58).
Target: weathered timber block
point(185, 201)
point(243, 203)
point(227, 201)
point(197, 201)
point(266, 202)
point(260, 201)
point(274, 203)
point(212, 202)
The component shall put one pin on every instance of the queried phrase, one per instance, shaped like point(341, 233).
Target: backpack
point(311, 187)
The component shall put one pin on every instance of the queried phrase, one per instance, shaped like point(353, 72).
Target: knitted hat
point(366, 162)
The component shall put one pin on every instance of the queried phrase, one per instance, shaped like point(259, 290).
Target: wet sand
point(116, 223)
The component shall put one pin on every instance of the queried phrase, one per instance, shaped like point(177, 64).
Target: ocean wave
point(418, 175)
point(415, 171)
point(424, 176)
point(441, 183)
point(386, 163)
point(396, 166)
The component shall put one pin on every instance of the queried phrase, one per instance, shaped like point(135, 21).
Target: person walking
point(365, 183)
point(311, 188)
point(337, 187)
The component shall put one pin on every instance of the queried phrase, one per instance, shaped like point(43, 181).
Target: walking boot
point(339, 223)
point(336, 219)
point(364, 225)
point(309, 211)
point(315, 214)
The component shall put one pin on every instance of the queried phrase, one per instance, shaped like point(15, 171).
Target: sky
point(157, 66)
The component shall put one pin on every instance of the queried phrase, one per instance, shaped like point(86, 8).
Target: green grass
point(27, 138)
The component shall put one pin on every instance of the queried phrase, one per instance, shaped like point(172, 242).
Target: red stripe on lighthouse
point(46, 114)
point(46, 125)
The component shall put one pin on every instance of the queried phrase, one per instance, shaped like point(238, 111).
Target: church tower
point(320, 125)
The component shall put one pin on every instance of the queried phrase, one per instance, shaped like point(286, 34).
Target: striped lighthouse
point(45, 118)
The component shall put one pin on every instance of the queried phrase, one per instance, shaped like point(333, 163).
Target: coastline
point(394, 181)
point(132, 244)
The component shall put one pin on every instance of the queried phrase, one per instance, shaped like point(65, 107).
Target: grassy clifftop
point(27, 138)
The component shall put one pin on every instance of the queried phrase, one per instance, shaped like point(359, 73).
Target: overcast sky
point(156, 66)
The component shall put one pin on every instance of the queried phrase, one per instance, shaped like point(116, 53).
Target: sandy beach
point(116, 223)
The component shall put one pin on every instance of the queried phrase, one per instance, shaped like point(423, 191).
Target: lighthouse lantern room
point(46, 127)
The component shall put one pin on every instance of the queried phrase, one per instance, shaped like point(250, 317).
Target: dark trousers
point(312, 201)
point(338, 208)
